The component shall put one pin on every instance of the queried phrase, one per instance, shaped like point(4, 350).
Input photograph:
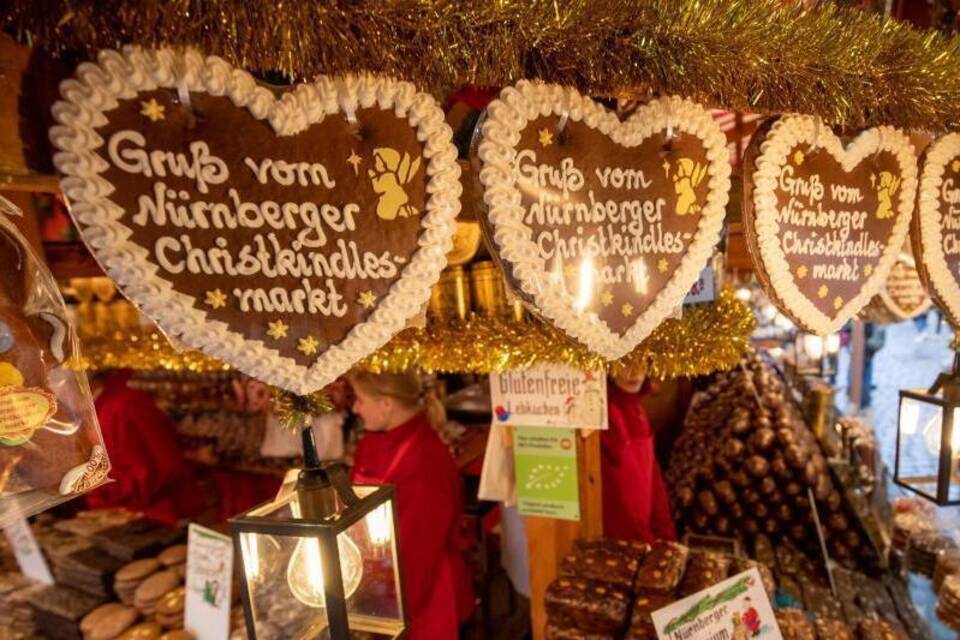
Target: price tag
point(209, 577)
point(27, 551)
point(550, 395)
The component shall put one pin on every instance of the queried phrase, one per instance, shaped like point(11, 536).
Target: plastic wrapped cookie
point(50, 443)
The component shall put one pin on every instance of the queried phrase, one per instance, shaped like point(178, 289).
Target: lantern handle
point(948, 380)
point(337, 473)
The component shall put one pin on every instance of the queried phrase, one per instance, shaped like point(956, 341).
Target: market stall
point(312, 316)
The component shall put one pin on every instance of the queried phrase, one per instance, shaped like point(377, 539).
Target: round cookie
point(137, 570)
point(176, 554)
point(153, 588)
point(108, 621)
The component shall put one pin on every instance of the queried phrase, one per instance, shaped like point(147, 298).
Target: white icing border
point(944, 285)
point(891, 304)
point(508, 116)
point(96, 90)
point(786, 133)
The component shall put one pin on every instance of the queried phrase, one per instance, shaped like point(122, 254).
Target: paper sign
point(738, 607)
point(27, 551)
point(704, 290)
point(550, 396)
point(209, 576)
point(546, 466)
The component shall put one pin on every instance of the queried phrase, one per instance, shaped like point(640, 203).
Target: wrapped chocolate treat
point(832, 629)
point(704, 569)
point(50, 444)
point(795, 625)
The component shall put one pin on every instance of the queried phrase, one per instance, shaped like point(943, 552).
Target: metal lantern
point(928, 445)
point(321, 561)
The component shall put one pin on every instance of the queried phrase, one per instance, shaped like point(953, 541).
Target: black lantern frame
point(947, 403)
point(326, 525)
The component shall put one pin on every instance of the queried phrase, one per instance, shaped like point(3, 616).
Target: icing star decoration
point(367, 299)
point(798, 157)
point(355, 160)
point(626, 309)
point(545, 137)
point(802, 271)
point(308, 346)
point(663, 265)
point(868, 269)
point(152, 109)
point(216, 299)
point(837, 303)
point(823, 291)
point(955, 165)
point(277, 329)
point(606, 298)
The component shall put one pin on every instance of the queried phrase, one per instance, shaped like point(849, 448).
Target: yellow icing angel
point(391, 172)
point(887, 187)
point(689, 174)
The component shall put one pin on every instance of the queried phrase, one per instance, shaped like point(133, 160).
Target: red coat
point(635, 502)
point(147, 464)
point(428, 507)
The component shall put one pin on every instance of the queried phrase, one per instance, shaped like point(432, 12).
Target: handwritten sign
point(208, 582)
point(550, 395)
point(601, 226)
point(825, 223)
point(936, 227)
point(27, 551)
point(288, 236)
point(545, 460)
point(738, 607)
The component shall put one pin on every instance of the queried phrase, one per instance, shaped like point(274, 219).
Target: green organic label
point(546, 467)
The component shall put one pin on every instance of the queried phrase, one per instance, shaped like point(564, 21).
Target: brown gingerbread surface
point(307, 230)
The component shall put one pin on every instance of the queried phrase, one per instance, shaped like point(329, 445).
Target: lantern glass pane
point(375, 605)
point(953, 488)
point(918, 453)
point(283, 578)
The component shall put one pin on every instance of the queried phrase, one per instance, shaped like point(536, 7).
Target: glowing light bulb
point(378, 524)
point(743, 294)
point(932, 433)
point(813, 346)
point(832, 343)
point(305, 570)
point(639, 275)
point(585, 291)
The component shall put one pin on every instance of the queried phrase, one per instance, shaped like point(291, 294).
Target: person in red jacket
point(147, 466)
point(635, 501)
point(401, 447)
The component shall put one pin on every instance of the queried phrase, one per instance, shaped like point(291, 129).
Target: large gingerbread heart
point(825, 223)
point(936, 227)
point(288, 232)
point(601, 225)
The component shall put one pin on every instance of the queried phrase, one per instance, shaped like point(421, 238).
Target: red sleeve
point(426, 515)
point(661, 520)
point(144, 455)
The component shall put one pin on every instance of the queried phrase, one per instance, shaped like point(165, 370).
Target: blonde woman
point(401, 447)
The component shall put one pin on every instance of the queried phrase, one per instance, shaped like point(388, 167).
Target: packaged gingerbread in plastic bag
point(51, 449)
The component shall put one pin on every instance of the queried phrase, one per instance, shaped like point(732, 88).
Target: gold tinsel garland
point(850, 67)
point(705, 339)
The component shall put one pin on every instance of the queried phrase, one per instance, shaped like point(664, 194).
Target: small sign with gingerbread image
point(289, 232)
point(936, 227)
point(824, 223)
point(601, 225)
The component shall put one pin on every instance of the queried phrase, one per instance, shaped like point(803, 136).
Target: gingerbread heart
point(936, 227)
point(824, 222)
point(288, 232)
point(601, 225)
